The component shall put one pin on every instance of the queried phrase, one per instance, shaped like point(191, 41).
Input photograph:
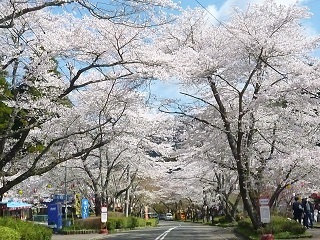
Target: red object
point(104, 231)
point(267, 237)
point(315, 196)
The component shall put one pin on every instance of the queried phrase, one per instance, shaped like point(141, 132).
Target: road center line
point(163, 235)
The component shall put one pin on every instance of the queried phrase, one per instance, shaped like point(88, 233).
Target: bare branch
point(8, 20)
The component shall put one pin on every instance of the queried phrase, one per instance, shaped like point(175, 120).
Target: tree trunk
point(97, 206)
point(248, 206)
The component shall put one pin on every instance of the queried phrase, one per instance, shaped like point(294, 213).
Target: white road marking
point(163, 235)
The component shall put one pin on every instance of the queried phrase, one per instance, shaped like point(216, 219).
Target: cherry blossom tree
point(45, 57)
point(121, 12)
point(250, 77)
point(112, 169)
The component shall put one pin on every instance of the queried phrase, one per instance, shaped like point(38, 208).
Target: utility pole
point(65, 193)
point(128, 192)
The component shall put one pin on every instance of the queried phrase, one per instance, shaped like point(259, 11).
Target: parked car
point(168, 217)
point(162, 216)
point(153, 215)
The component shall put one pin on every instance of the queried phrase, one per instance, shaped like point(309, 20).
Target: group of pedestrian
point(303, 211)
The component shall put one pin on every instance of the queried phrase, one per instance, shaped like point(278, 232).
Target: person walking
point(308, 213)
point(297, 210)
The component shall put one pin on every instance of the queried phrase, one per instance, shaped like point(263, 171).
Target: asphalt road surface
point(168, 230)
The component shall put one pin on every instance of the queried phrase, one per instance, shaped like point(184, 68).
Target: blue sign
point(55, 216)
point(84, 208)
point(62, 197)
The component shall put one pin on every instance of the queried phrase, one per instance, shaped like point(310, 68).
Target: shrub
point(115, 214)
point(240, 216)
point(278, 225)
point(121, 223)
point(134, 222)
point(293, 227)
point(115, 223)
point(141, 222)
point(88, 223)
point(245, 223)
point(9, 234)
point(223, 219)
point(111, 224)
point(152, 222)
point(75, 226)
point(27, 230)
point(129, 223)
point(9, 222)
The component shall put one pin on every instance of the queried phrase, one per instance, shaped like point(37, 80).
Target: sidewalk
point(315, 232)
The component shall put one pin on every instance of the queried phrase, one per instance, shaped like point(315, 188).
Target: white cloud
point(222, 13)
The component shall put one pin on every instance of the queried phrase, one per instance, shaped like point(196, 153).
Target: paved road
point(170, 231)
point(164, 231)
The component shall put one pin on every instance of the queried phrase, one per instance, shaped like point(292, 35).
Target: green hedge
point(141, 222)
point(121, 222)
point(87, 223)
point(27, 230)
point(9, 234)
point(152, 222)
point(111, 224)
point(280, 227)
point(114, 222)
point(134, 222)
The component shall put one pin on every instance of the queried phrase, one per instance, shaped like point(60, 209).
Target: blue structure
point(62, 198)
point(55, 216)
point(15, 209)
point(84, 208)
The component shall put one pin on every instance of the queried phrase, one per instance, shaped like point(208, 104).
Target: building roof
point(16, 205)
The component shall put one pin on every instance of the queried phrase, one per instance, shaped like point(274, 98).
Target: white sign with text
point(104, 214)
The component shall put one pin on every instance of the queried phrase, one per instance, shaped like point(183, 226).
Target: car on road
point(153, 215)
point(162, 216)
point(169, 217)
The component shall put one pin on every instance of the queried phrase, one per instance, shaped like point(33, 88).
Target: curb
point(72, 232)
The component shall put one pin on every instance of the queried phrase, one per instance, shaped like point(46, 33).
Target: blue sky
point(219, 9)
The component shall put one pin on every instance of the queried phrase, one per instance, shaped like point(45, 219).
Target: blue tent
point(16, 209)
point(17, 205)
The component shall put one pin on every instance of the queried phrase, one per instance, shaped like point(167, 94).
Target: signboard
point(104, 214)
point(55, 216)
point(84, 208)
point(265, 214)
point(263, 201)
point(62, 198)
point(77, 204)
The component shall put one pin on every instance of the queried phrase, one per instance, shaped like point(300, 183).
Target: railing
point(40, 218)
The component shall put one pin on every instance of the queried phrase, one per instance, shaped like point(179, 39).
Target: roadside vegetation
point(280, 227)
point(114, 223)
point(16, 229)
